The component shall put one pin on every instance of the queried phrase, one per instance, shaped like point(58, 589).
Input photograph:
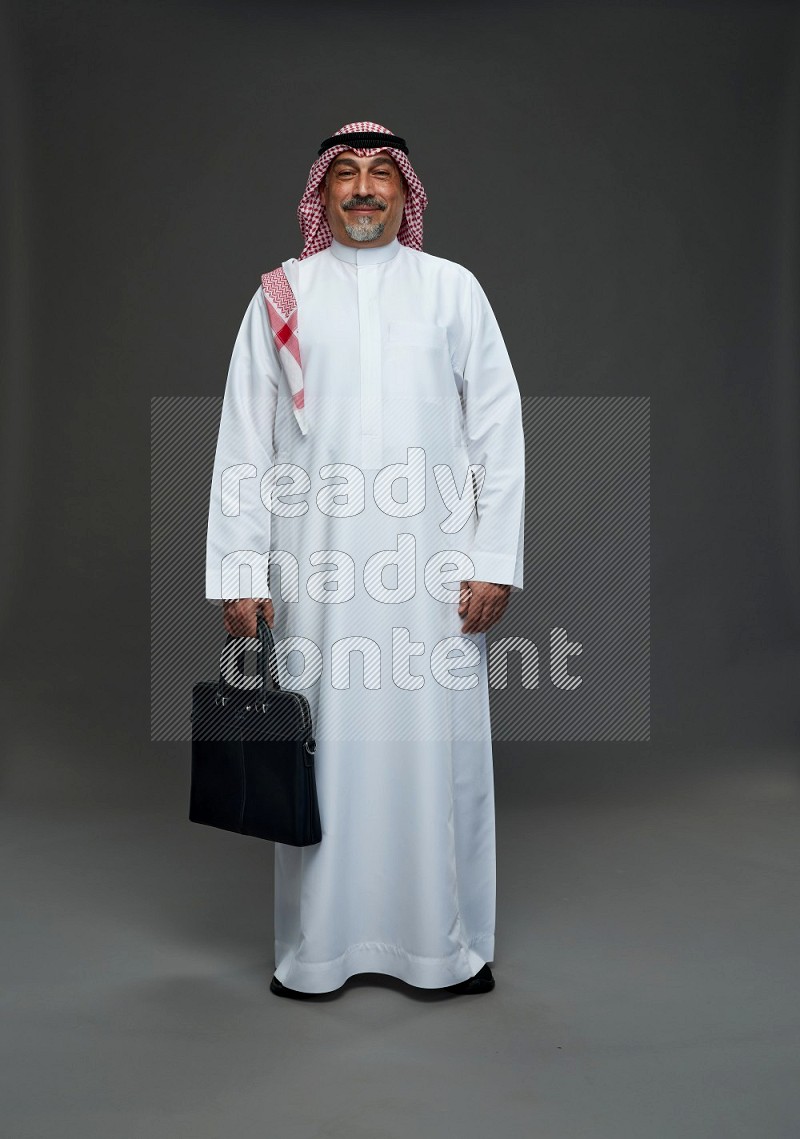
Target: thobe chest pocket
point(417, 360)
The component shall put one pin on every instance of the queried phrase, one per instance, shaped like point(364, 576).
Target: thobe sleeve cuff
point(264, 595)
point(501, 569)
point(214, 578)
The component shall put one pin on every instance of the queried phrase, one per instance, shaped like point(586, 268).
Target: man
point(371, 423)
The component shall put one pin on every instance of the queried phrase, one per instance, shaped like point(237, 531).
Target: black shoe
point(482, 982)
point(281, 990)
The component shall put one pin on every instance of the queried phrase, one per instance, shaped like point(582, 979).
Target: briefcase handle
point(266, 656)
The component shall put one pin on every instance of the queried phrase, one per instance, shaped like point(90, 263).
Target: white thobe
point(408, 391)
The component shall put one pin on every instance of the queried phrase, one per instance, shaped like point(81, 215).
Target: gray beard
point(364, 230)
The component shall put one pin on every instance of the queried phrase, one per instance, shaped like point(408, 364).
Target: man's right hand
point(239, 617)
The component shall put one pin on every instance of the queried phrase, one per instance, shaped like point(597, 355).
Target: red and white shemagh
point(282, 312)
point(280, 300)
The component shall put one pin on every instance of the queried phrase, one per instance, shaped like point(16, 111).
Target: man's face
point(363, 199)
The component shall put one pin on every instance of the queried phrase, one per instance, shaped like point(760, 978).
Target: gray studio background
point(623, 180)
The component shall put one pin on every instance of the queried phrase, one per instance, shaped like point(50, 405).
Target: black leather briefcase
point(253, 751)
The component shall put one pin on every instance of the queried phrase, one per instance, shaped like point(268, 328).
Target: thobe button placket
point(370, 356)
point(369, 263)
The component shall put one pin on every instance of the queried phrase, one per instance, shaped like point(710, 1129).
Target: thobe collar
point(371, 255)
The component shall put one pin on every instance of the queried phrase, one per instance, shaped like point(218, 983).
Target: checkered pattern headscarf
point(311, 212)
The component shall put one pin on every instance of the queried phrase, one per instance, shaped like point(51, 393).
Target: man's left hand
point(482, 603)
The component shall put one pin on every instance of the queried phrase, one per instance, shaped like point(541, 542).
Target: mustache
point(356, 203)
